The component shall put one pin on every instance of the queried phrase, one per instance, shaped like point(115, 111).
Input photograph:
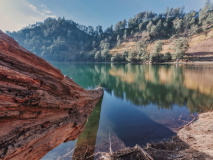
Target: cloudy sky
point(15, 14)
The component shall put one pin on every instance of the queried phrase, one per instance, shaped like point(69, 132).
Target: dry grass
point(129, 45)
point(196, 39)
point(201, 43)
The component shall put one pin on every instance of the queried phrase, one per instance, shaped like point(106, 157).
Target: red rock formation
point(39, 107)
point(36, 131)
point(27, 80)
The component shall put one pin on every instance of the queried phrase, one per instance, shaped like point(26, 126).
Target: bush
point(105, 54)
point(132, 56)
point(98, 56)
point(181, 46)
point(125, 55)
point(156, 56)
point(194, 29)
point(167, 57)
point(116, 58)
point(146, 57)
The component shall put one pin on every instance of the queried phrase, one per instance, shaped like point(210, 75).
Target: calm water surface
point(141, 104)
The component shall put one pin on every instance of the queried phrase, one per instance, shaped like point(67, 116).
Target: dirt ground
point(193, 141)
point(199, 135)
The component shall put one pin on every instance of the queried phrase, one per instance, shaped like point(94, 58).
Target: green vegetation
point(181, 46)
point(156, 56)
point(65, 40)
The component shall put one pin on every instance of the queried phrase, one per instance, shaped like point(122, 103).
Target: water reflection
point(163, 85)
point(141, 103)
point(85, 146)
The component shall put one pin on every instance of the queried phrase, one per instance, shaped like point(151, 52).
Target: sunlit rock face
point(39, 106)
point(27, 80)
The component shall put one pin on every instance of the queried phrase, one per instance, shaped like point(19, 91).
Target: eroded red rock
point(39, 107)
point(28, 80)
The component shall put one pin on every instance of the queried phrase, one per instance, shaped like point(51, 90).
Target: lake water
point(141, 104)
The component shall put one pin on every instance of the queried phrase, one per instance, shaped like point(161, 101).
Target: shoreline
point(193, 141)
point(190, 62)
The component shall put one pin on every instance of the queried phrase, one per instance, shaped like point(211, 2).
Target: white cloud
point(33, 7)
point(16, 14)
point(48, 12)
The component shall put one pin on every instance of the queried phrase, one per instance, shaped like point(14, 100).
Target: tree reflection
point(163, 85)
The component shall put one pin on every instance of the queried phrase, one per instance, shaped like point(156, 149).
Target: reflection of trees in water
point(199, 78)
point(164, 85)
point(85, 146)
point(158, 84)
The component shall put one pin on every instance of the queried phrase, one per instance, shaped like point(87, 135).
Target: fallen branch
point(147, 155)
point(59, 158)
point(86, 152)
point(110, 145)
point(124, 154)
point(103, 154)
point(188, 123)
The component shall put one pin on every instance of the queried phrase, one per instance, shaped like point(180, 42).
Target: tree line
point(66, 40)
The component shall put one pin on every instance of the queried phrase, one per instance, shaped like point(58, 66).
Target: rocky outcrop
point(33, 132)
point(39, 106)
point(27, 80)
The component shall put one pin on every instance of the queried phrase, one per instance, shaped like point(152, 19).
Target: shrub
point(156, 56)
point(116, 58)
point(105, 55)
point(181, 46)
point(167, 56)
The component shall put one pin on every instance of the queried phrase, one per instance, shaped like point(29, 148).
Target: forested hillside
point(65, 40)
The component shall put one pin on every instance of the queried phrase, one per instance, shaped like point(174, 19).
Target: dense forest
point(66, 40)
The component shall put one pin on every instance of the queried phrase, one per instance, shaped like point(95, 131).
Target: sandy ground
point(199, 135)
point(193, 141)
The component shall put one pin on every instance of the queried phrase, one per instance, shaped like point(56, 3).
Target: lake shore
point(190, 62)
point(175, 62)
point(193, 141)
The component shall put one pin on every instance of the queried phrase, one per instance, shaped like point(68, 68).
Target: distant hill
point(199, 47)
point(57, 40)
point(146, 37)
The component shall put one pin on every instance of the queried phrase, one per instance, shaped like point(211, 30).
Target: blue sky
point(15, 14)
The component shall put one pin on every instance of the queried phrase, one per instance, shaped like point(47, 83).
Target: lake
point(141, 104)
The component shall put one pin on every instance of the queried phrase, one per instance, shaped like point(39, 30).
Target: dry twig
point(147, 155)
point(59, 158)
point(188, 123)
